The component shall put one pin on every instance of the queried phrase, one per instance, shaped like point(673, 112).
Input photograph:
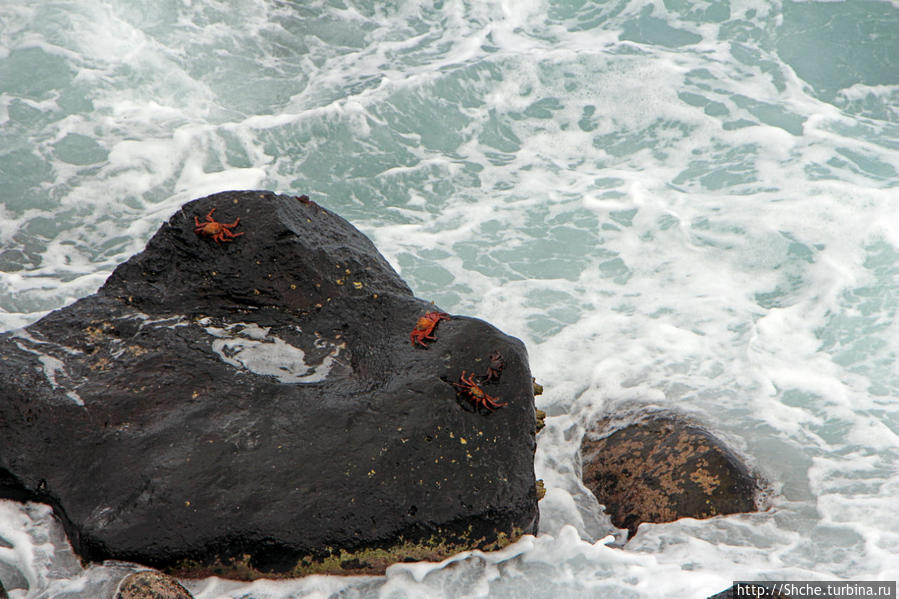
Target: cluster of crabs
point(468, 385)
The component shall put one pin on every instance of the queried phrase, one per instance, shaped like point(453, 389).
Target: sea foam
point(659, 198)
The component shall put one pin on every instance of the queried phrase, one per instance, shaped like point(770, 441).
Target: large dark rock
point(662, 468)
point(256, 408)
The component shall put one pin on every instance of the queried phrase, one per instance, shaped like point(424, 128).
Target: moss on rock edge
point(363, 561)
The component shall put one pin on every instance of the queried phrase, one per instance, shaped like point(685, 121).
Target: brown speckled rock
point(150, 584)
point(663, 468)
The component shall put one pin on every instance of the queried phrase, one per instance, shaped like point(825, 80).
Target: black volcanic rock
point(662, 468)
point(256, 408)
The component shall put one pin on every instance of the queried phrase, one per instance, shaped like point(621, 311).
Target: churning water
point(688, 204)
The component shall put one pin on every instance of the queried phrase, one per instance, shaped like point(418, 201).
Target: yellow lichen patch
point(100, 365)
point(541, 419)
point(366, 561)
point(702, 477)
point(97, 330)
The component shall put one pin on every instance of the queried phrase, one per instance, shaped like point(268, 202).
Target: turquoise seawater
point(685, 204)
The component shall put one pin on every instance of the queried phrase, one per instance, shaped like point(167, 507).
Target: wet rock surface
point(662, 468)
point(255, 407)
point(149, 584)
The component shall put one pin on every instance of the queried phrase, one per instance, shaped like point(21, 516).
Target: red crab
point(425, 326)
point(218, 231)
point(495, 370)
point(478, 396)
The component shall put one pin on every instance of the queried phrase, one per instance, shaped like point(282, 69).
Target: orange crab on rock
point(425, 326)
point(218, 231)
point(470, 389)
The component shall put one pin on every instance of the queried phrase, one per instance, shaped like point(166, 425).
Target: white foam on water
point(34, 553)
point(646, 193)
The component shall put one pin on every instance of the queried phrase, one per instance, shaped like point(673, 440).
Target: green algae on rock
point(365, 561)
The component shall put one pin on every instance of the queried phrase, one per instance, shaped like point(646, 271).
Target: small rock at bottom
point(150, 584)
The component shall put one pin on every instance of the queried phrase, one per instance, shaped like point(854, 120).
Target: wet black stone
point(144, 417)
